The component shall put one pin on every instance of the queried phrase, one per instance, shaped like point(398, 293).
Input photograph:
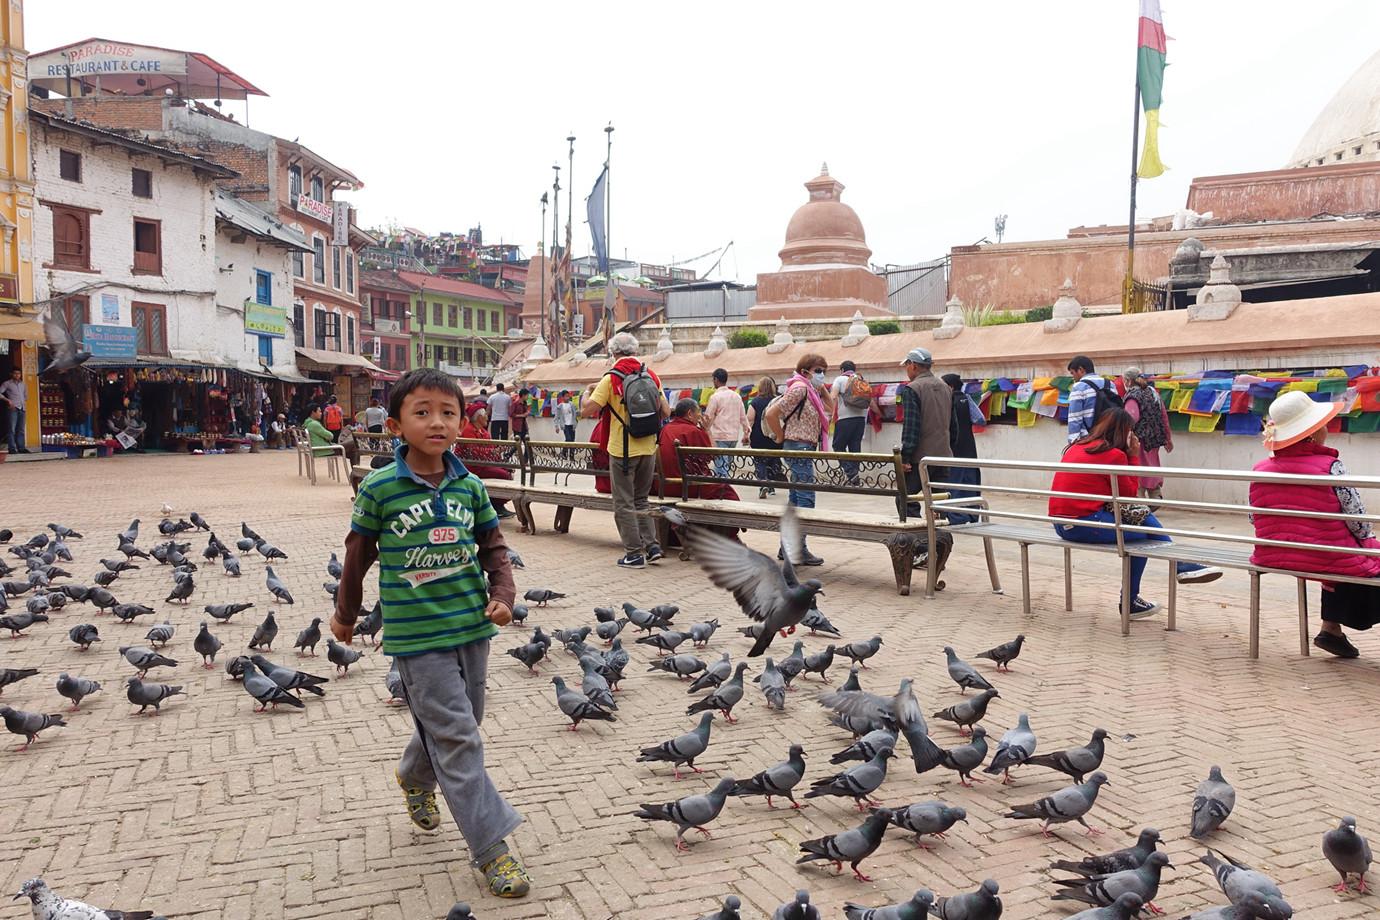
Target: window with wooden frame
point(71, 238)
point(333, 330)
point(299, 264)
point(69, 165)
point(318, 327)
point(454, 355)
point(335, 267)
point(141, 181)
point(399, 357)
point(78, 313)
point(294, 185)
point(350, 334)
point(469, 318)
point(436, 314)
point(480, 317)
point(469, 355)
point(318, 262)
point(150, 328)
point(318, 189)
point(299, 327)
point(453, 314)
point(350, 271)
point(148, 247)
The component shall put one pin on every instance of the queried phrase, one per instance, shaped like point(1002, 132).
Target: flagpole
point(608, 249)
point(540, 243)
point(569, 219)
point(1127, 285)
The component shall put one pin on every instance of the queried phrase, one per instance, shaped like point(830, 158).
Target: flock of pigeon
point(1117, 885)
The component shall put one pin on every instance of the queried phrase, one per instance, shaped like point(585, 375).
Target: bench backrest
point(504, 455)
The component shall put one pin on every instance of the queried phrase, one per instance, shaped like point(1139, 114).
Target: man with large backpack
point(1089, 397)
point(630, 400)
point(332, 418)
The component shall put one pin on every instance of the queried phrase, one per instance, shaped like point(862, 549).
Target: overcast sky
point(936, 117)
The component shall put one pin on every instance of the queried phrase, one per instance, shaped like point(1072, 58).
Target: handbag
point(1134, 515)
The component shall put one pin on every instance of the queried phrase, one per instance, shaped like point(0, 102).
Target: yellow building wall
point(17, 193)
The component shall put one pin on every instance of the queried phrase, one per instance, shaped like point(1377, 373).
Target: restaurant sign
point(105, 341)
point(312, 208)
point(262, 319)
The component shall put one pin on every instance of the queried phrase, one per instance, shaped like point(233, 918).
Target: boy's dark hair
point(312, 407)
point(1081, 363)
point(422, 378)
point(720, 375)
point(499, 386)
point(848, 366)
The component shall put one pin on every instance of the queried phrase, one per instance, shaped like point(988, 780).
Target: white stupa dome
point(1348, 128)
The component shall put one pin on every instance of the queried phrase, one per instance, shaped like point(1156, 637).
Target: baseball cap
point(920, 356)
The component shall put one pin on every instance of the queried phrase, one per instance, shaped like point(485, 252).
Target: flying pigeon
point(1212, 803)
point(48, 906)
point(145, 695)
point(206, 645)
point(1075, 762)
point(982, 904)
point(1004, 654)
point(1014, 749)
point(917, 908)
point(901, 712)
point(799, 909)
point(1129, 858)
point(289, 679)
point(1068, 804)
point(768, 594)
point(933, 818)
point(1348, 852)
point(859, 652)
point(852, 846)
point(63, 346)
point(682, 749)
point(264, 634)
point(342, 656)
point(693, 811)
point(145, 658)
point(778, 779)
point(276, 587)
point(266, 691)
point(308, 638)
point(969, 712)
point(75, 688)
point(1105, 889)
point(728, 695)
point(578, 707)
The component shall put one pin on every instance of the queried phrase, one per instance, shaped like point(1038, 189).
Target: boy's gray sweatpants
point(445, 693)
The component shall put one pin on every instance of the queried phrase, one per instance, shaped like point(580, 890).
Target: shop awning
point(290, 377)
point(21, 328)
point(321, 356)
point(384, 375)
point(155, 361)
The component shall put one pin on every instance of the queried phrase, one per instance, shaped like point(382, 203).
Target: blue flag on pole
point(594, 209)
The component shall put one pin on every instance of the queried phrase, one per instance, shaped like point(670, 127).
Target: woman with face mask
point(799, 420)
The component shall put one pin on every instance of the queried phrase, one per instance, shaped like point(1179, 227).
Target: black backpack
point(642, 402)
point(1105, 398)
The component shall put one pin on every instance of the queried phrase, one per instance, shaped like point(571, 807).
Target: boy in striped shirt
point(429, 524)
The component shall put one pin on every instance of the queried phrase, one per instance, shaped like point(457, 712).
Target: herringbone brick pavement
point(211, 811)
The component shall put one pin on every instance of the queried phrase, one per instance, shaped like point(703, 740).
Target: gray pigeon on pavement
point(276, 586)
point(901, 712)
point(778, 779)
point(265, 633)
point(682, 749)
point(857, 782)
point(593, 684)
point(1132, 857)
point(700, 633)
point(773, 686)
point(28, 724)
point(819, 663)
point(145, 695)
point(266, 691)
point(1004, 654)
point(75, 689)
point(578, 707)
point(917, 908)
point(770, 595)
point(1238, 879)
point(48, 906)
point(162, 634)
point(334, 568)
point(540, 596)
point(234, 667)
point(206, 645)
point(224, 612)
point(289, 679)
point(1014, 749)
point(963, 674)
point(866, 747)
point(1068, 804)
point(342, 656)
point(1075, 762)
point(1251, 907)
point(1105, 889)
point(729, 694)
point(1212, 803)
point(145, 658)
point(799, 909)
point(680, 665)
point(1127, 905)
point(14, 675)
point(714, 675)
point(1348, 852)
point(969, 712)
point(308, 638)
point(693, 811)
point(792, 664)
point(818, 623)
point(852, 846)
point(732, 903)
point(983, 904)
point(933, 818)
point(859, 652)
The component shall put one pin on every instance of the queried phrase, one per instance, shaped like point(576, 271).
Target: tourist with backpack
point(798, 419)
point(630, 405)
point(852, 395)
point(332, 419)
point(1090, 396)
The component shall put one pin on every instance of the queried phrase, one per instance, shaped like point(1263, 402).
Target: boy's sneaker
point(421, 806)
point(1191, 573)
point(1141, 608)
point(1336, 645)
point(506, 877)
point(637, 561)
point(654, 553)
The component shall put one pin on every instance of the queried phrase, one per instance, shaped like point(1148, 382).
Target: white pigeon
point(167, 509)
point(48, 906)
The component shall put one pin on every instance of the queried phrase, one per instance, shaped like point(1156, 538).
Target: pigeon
point(74, 592)
point(331, 587)
point(224, 612)
point(818, 623)
point(1068, 804)
point(773, 685)
point(245, 546)
point(231, 565)
point(104, 579)
point(16, 623)
point(266, 691)
point(963, 674)
point(857, 782)
point(145, 695)
point(964, 760)
point(644, 620)
point(768, 594)
point(1004, 654)
point(131, 533)
point(732, 903)
point(342, 656)
point(778, 779)
point(28, 724)
point(13, 675)
point(540, 596)
point(852, 846)
point(969, 712)
point(529, 654)
point(75, 688)
point(62, 551)
point(1075, 762)
point(982, 904)
point(369, 625)
point(206, 645)
point(1127, 905)
point(933, 818)
point(680, 665)
point(264, 634)
point(1212, 803)
point(1251, 907)
point(866, 747)
point(172, 528)
point(578, 707)
point(819, 663)
point(16, 588)
point(792, 664)
point(394, 682)
point(577, 634)
point(308, 638)
point(682, 749)
point(39, 603)
point(520, 613)
point(161, 634)
point(127, 612)
point(64, 532)
point(1238, 879)
point(1105, 889)
point(1348, 852)
point(859, 652)
point(604, 615)
point(594, 686)
point(515, 560)
point(917, 908)
point(1129, 858)
point(247, 533)
point(700, 633)
point(199, 522)
point(181, 590)
point(133, 552)
point(64, 348)
point(460, 911)
point(607, 629)
point(276, 587)
point(269, 551)
point(665, 641)
point(334, 568)
point(235, 666)
point(145, 658)
point(289, 679)
point(901, 712)
point(665, 611)
point(714, 675)
point(693, 811)
point(1014, 749)
point(728, 695)
point(48, 906)
point(799, 909)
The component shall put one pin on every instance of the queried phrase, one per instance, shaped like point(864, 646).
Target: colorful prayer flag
point(1150, 78)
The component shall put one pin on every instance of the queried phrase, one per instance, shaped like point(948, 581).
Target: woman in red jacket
point(1112, 442)
point(1296, 437)
point(477, 428)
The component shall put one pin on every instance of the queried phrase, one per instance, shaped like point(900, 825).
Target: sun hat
point(1293, 417)
point(920, 357)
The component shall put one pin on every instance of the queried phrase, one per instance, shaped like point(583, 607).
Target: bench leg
point(902, 549)
point(991, 566)
point(561, 523)
point(1171, 620)
point(1255, 615)
point(1303, 617)
point(526, 522)
point(1025, 579)
point(1126, 595)
point(1068, 580)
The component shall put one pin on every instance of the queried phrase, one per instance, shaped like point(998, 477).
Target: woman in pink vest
point(1296, 436)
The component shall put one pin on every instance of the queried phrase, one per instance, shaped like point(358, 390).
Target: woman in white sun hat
point(1296, 437)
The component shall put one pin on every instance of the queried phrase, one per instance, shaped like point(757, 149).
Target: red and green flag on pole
point(1150, 78)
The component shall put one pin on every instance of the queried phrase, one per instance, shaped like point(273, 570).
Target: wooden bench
point(1226, 550)
point(548, 469)
point(903, 533)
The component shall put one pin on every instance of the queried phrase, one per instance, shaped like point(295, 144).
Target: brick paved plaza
point(211, 811)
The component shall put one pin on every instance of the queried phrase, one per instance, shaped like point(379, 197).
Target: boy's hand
point(343, 632)
point(499, 613)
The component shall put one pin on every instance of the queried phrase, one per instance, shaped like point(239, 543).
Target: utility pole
point(555, 342)
point(569, 219)
point(540, 238)
point(609, 283)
